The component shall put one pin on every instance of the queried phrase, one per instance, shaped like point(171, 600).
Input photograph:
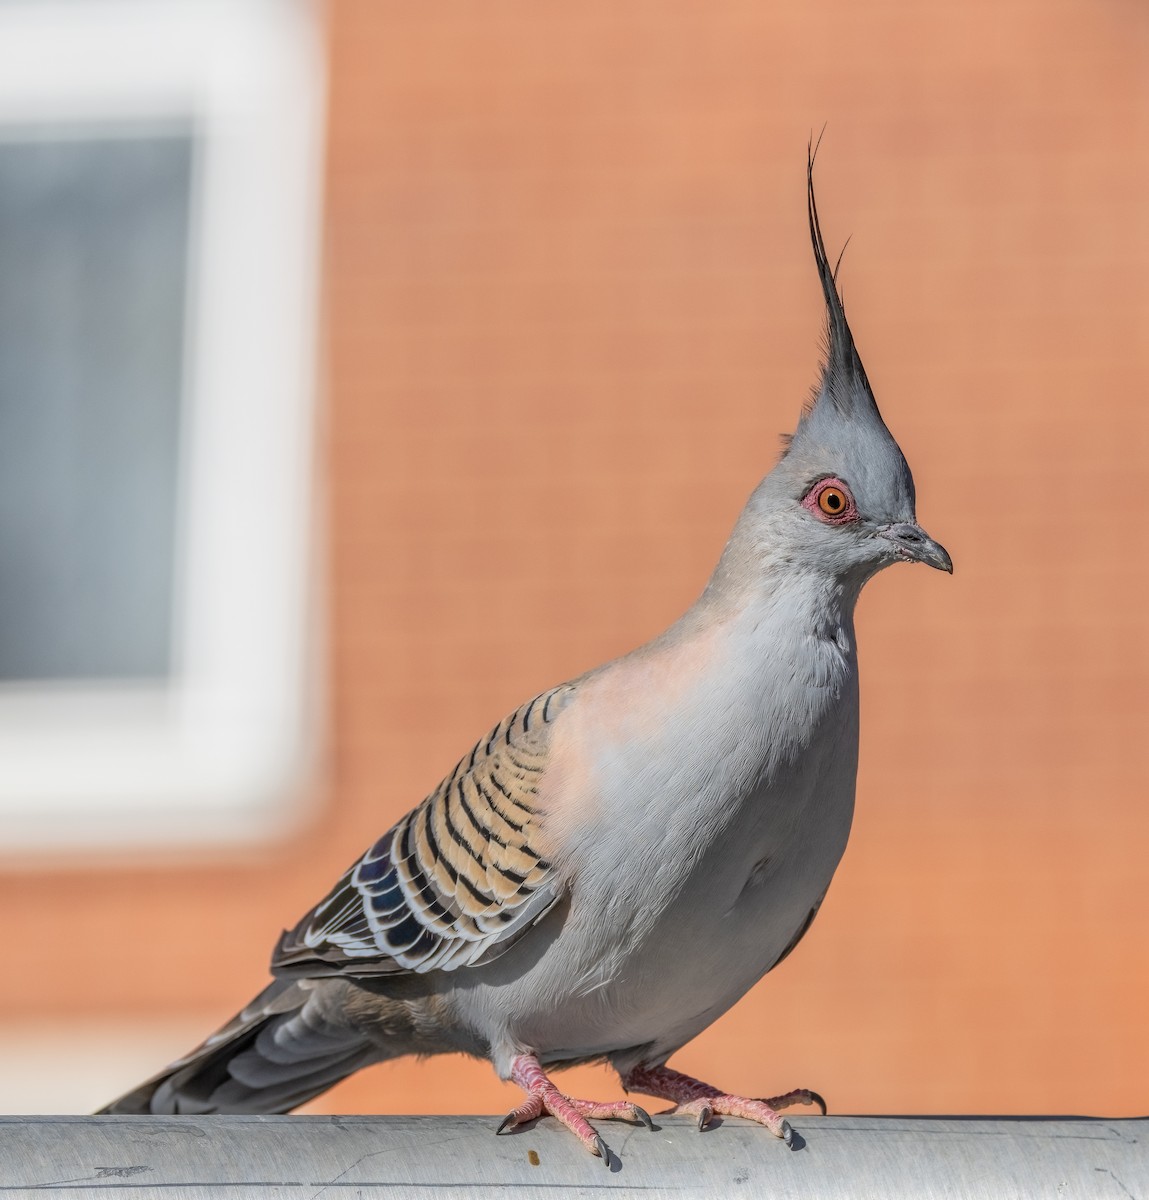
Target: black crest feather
point(843, 371)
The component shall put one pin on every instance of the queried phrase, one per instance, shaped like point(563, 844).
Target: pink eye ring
point(831, 501)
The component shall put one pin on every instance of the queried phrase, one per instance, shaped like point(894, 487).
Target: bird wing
point(457, 880)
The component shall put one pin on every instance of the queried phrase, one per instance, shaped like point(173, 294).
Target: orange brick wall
point(570, 306)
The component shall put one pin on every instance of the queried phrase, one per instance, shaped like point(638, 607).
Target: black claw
point(818, 1101)
point(787, 1133)
point(601, 1150)
point(642, 1116)
point(506, 1121)
point(704, 1116)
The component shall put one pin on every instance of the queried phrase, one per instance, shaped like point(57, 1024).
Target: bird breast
point(700, 797)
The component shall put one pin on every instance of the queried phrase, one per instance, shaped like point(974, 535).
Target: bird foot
point(544, 1097)
point(693, 1098)
point(734, 1106)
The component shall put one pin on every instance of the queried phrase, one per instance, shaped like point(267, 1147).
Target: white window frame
point(222, 751)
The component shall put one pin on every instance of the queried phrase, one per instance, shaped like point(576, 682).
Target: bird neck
point(763, 582)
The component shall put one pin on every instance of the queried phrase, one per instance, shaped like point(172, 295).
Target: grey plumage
point(618, 861)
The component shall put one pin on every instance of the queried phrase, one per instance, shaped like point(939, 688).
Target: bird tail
point(292, 1042)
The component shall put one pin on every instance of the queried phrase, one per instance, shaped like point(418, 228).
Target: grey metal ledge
point(203, 1158)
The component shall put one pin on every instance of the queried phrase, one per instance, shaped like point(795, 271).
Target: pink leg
point(543, 1096)
point(703, 1101)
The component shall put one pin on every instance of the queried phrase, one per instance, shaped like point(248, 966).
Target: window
point(159, 230)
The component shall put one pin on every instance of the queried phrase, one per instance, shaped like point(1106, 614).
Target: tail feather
point(291, 1043)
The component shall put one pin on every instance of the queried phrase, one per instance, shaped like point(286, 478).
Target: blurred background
point(366, 368)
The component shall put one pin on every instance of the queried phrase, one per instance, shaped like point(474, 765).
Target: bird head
point(842, 496)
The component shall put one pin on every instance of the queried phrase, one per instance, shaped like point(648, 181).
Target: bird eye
point(832, 501)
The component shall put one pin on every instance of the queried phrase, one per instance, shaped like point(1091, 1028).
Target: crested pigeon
point(619, 860)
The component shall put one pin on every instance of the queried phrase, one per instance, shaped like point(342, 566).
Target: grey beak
point(915, 545)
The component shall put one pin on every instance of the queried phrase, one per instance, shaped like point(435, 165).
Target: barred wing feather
point(457, 880)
